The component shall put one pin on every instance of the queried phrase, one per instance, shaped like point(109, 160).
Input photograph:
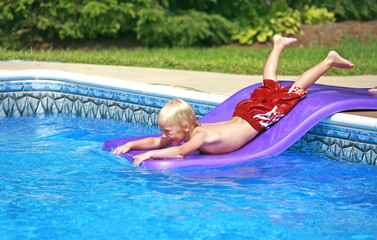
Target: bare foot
point(335, 60)
point(283, 41)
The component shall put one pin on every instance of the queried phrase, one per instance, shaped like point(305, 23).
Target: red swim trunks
point(268, 103)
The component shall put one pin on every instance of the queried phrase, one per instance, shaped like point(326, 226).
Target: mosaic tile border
point(29, 97)
point(36, 98)
point(339, 143)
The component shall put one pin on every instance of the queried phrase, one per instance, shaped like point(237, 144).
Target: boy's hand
point(140, 158)
point(373, 90)
point(122, 149)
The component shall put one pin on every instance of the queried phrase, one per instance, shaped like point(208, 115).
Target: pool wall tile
point(36, 98)
point(31, 97)
point(340, 143)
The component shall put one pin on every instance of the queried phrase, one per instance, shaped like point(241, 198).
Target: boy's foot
point(335, 60)
point(283, 41)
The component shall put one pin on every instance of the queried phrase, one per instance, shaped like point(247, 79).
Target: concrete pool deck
point(205, 82)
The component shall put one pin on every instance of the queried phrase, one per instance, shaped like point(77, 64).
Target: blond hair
point(178, 110)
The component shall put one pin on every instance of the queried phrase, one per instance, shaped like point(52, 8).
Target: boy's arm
point(172, 152)
point(145, 143)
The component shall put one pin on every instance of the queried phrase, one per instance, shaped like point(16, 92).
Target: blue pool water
point(57, 183)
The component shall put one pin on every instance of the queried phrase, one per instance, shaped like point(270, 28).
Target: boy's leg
point(272, 63)
point(309, 77)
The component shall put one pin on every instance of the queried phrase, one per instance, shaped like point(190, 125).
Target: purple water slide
point(320, 102)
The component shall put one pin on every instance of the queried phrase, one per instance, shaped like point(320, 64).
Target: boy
point(266, 105)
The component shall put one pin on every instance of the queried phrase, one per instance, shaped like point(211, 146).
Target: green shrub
point(313, 15)
point(151, 28)
point(157, 27)
point(263, 29)
point(168, 22)
point(363, 10)
point(29, 21)
point(281, 19)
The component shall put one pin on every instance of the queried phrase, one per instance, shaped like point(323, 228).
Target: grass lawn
point(238, 60)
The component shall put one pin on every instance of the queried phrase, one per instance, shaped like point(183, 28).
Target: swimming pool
point(56, 182)
point(342, 137)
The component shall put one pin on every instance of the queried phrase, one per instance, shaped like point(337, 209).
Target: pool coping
point(108, 83)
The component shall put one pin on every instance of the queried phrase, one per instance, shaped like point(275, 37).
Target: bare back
point(225, 136)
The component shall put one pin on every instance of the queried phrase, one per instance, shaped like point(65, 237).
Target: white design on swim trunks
point(297, 90)
point(266, 119)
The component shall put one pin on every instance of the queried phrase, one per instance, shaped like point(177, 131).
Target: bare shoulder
point(200, 130)
point(203, 133)
point(207, 132)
